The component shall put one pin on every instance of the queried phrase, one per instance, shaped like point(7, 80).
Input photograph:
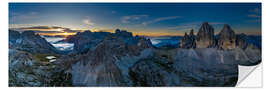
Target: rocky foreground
point(120, 59)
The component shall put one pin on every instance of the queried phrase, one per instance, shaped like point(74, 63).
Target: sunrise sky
point(152, 19)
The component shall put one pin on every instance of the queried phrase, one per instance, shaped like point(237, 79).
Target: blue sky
point(140, 18)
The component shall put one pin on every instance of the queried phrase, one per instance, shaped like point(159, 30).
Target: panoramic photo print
point(132, 44)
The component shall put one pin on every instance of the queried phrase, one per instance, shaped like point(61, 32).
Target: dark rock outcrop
point(30, 42)
point(241, 41)
point(84, 41)
point(154, 72)
point(13, 36)
point(206, 67)
point(205, 36)
point(27, 71)
point(227, 38)
point(122, 33)
point(188, 41)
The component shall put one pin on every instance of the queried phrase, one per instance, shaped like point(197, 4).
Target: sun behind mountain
point(67, 33)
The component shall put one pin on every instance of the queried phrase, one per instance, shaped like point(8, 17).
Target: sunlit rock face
point(188, 41)
point(205, 36)
point(31, 42)
point(227, 38)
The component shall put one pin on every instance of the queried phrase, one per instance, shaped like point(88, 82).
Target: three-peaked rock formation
point(205, 36)
point(227, 38)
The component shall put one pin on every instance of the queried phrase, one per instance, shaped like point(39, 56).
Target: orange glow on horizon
point(144, 33)
point(55, 34)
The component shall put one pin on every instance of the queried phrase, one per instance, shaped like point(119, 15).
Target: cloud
point(255, 10)
point(88, 21)
point(186, 26)
point(255, 16)
point(254, 21)
point(129, 19)
point(70, 31)
point(46, 29)
point(160, 19)
point(192, 25)
point(39, 27)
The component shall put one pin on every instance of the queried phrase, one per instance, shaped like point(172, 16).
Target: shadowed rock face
point(188, 41)
point(192, 67)
point(241, 41)
point(84, 41)
point(150, 72)
point(122, 33)
point(13, 36)
point(108, 63)
point(227, 38)
point(30, 42)
point(205, 36)
point(206, 67)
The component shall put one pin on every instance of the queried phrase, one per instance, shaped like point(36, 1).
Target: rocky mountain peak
point(85, 33)
point(227, 38)
point(191, 32)
point(122, 33)
point(205, 36)
point(227, 29)
point(188, 41)
point(28, 33)
point(185, 35)
point(31, 42)
point(117, 30)
point(13, 36)
point(206, 28)
point(205, 24)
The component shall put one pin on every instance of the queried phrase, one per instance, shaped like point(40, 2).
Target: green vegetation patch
point(42, 57)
